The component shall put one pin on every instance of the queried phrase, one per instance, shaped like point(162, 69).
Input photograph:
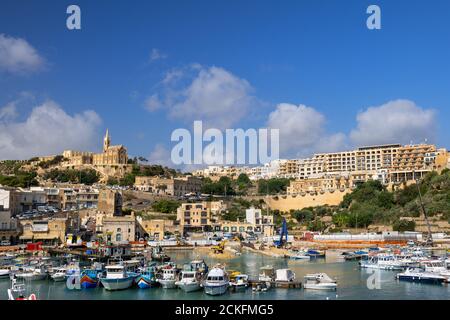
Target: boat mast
point(429, 236)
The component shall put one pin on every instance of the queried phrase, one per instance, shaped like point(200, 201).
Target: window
point(118, 237)
point(119, 230)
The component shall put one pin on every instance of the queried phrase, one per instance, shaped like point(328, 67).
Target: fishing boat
point(89, 278)
point(197, 265)
point(319, 281)
point(17, 291)
point(59, 274)
point(299, 255)
point(190, 281)
point(168, 276)
point(159, 255)
point(315, 253)
point(32, 273)
point(116, 278)
point(415, 275)
point(216, 282)
point(147, 277)
point(382, 261)
point(239, 283)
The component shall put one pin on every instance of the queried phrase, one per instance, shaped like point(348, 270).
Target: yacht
point(32, 273)
point(190, 281)
point(59, 274)
point(382, 261)
point(216, 282)
point(421, 276)
point(116, 278)
point(168, 276)
point(319, 281)
point(436, 266)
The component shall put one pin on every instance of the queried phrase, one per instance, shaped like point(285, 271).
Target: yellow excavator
point(219, 248)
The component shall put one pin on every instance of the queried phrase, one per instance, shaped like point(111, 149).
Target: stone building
point(49, 231)
point(169, 186)
point(194, 216)
point(110, 202)
point(157, 228)
point(111, 155)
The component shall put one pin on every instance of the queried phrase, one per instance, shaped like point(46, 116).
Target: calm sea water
point(352, 283)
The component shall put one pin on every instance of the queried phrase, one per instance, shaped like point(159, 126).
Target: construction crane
point(283, 233)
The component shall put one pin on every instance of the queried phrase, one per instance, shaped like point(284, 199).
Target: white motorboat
point(4, 273)
point(319, 281)
point(216, 282)
point(421, 276)
point(168, 277)
point(117, 278)
point(436, 266)
point(190, 281)
point(59, 274)
point(240, 282)
point(32, 273)
point(382, 261)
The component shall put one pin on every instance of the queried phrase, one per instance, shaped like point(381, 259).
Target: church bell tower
point(106, 141)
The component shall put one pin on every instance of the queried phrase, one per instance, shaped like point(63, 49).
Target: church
point(111, 155)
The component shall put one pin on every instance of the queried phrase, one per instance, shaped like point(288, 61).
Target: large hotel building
point(391, 163)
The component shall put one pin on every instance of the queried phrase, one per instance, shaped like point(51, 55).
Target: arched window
point(119, 230)
point(118, 237)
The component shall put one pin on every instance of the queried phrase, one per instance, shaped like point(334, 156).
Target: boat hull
point(216, 290)
point(144, 282)
point(328, 286)
point(420, 279)
point(88, 282)
point(117, 284)
point(31, 277)
point(59, 277)
point(188, 286)
point(167, 284)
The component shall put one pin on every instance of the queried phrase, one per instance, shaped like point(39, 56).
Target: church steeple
point(106, 141)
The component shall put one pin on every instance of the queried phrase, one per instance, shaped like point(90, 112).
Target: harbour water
point(352, 283)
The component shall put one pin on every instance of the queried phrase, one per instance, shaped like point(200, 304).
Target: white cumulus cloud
point(302, 131)
point(398, 121)
point(211, 94)
point(48, 130)
point(18, 56)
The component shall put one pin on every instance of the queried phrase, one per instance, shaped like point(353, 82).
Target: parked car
point(5, 243)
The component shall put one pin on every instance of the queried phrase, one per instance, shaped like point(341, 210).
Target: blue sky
point(316, 57)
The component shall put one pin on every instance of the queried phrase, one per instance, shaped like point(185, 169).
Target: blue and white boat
point(147, 278)
point(315, 253)
point(117, 278)
point(421, 276)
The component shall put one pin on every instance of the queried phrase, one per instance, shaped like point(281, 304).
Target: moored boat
point(216, 282)
point(190, 281)
point(319, 281)
point(239, 283)
point(421, 276)
point(147, 278)
point(59, 274)
point(116, 278)
point(168, 276)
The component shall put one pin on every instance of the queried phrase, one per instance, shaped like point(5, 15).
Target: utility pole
point(429, 236)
